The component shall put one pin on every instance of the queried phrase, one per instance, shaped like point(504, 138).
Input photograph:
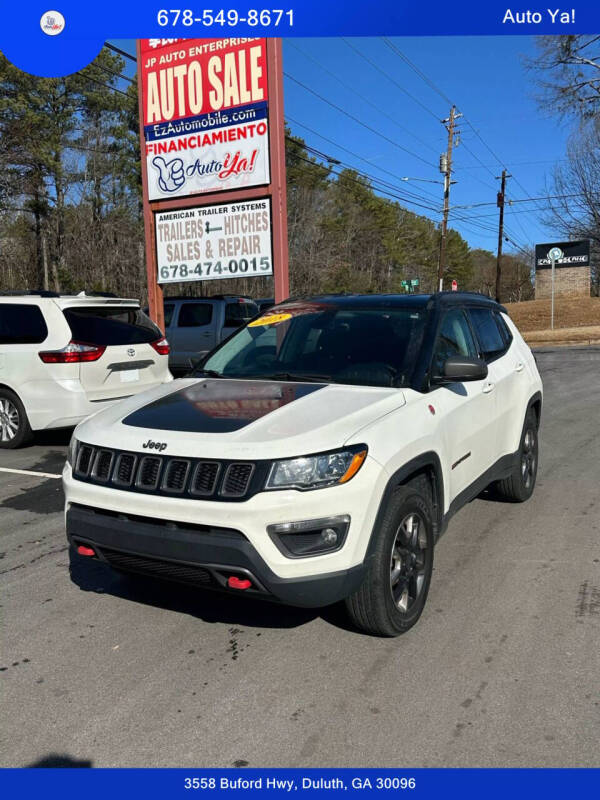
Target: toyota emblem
point(131, 352)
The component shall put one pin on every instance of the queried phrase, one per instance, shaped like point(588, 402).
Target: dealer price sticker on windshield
point(205, 243)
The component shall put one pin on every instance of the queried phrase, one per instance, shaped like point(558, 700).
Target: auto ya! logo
point(171, 174)
point(52, 23)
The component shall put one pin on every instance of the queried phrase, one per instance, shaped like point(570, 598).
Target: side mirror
point(459, 369)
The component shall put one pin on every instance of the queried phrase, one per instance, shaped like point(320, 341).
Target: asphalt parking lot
point(502, 670)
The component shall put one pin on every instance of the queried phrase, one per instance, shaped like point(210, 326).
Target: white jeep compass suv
point(62, 358)
point(316, 455)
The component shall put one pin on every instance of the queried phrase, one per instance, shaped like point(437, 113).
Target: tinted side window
point(169, 309)
point(193, 314)
point(21, 324)
point(237, 314)
point(454, 339)
point(491, 341)
point(111, 325)
point(506, 334)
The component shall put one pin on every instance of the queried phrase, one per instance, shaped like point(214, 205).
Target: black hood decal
point(218, 405)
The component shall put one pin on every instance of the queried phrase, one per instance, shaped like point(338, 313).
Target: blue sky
point(487, 80)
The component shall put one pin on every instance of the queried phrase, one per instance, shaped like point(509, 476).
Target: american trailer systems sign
point(566, 254)
point(205, 109)
point(231, 240)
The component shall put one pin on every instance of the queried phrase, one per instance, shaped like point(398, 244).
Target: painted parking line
point(30, 472)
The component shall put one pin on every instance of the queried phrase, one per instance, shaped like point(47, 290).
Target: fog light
point(310, 537)
point(329, 536)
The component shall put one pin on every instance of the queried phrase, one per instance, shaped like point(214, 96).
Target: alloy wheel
point(9, 420)
point(528, 458)
point(408, 562)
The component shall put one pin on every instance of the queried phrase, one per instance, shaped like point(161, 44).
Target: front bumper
point(199, 555)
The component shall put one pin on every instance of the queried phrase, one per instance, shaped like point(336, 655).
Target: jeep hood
point(241, 419)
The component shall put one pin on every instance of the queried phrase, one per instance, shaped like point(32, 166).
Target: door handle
point(488, 387)
point(519, 367)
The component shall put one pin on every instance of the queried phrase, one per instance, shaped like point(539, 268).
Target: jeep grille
point(191, 478)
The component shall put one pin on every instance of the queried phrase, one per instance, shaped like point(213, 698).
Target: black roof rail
point(48, 293)
point(208, 297)
point(29, 293)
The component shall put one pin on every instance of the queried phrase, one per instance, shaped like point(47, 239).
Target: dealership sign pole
point(213, 162)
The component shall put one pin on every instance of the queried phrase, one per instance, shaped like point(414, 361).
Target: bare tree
point(575, 209)
point(569, 78)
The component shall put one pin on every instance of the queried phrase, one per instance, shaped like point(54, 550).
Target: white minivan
point(62, 358)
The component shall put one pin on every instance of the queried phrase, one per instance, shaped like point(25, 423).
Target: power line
point(526, 200)
point(118, 50)
point(405, 197)
point(419, 72)
point(356, 119)
point(361, 183)
point(362, 97)
point(424, 193)
point(514, 163)
point(112, 72)
point(107, 86)
point(392, 80)
point(436, 89)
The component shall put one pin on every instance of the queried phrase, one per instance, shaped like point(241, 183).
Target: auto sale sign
point(230, 240)
point(204, 106)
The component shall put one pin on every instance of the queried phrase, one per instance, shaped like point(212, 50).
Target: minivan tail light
point(162, 347)
point(73, 353)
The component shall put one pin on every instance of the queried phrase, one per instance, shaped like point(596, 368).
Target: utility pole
point(500, 204)
point(446, 170)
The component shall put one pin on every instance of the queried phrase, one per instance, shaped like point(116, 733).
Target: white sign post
point(554, 254)
point(207, 243)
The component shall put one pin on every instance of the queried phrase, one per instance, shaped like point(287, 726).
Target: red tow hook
point(238, 583)
point(85, 551)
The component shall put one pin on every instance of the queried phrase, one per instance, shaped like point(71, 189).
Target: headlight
point(314, 472)
point(72, 451)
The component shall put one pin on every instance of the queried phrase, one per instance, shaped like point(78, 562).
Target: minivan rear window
point(21, 324)
point(111, 325)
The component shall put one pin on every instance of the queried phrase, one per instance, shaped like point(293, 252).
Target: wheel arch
point(427, 465)
point(535, 403)
point(11, 389)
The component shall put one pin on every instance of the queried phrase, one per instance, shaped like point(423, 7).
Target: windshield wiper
point(210, 373)
point(290, 376)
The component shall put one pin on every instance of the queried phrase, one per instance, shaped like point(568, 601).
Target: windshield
point(320, 341)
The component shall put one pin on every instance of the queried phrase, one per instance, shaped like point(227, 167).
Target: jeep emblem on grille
point(131, 352)
point(150, 445)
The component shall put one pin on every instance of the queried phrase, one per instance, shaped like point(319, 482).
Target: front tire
point(393, 594)
point(520, 484)
point(14, 425)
